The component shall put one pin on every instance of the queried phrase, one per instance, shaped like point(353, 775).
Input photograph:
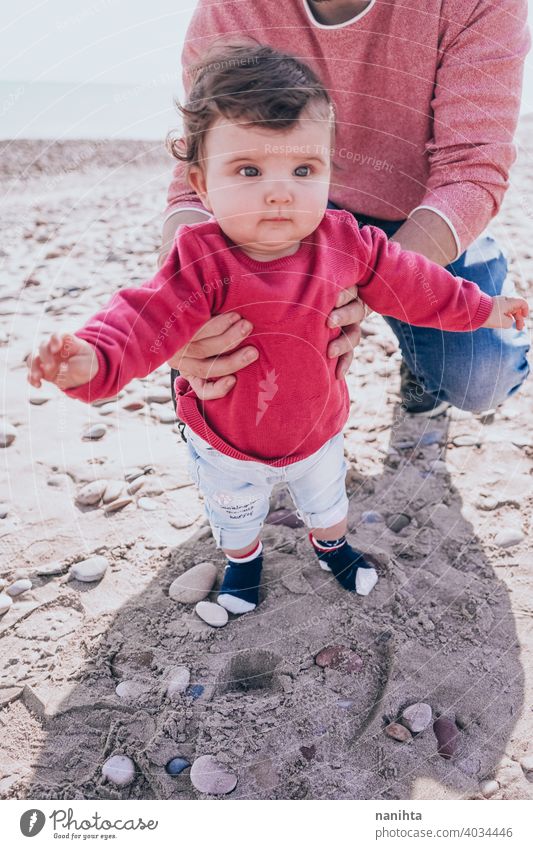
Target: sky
point(109, 41)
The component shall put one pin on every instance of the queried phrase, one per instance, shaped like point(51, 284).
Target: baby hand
point(65, 360)
point(504, 310)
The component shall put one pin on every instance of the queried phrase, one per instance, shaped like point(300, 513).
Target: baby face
point(268, 189)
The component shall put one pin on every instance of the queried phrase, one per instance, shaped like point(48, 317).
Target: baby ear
point(198, 184)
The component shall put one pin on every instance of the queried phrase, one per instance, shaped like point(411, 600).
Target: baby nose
point(279, 192)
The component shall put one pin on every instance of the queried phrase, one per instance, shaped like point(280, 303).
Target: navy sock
point(349, 566)
point(239, 592)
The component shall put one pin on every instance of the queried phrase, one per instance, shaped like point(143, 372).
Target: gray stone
point(91, 493)
point(112, 491)
point(466, 440)
point(92, 569)
point(179, 680)
point(417, 717)
point(210, 776)
point(5, 603)
point(130, 690)
point(147, 503)
point(117, 505)
point(508, 537)
point(397, 522)
point(96, 431)
point(213, 614)
point(365, 581)
point(119, 769)
point(398, 732)
point(19, 587)
point(8, 434)
point(195, 584)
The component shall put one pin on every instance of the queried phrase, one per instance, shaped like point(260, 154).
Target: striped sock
point(239, 592)
point(349, 566)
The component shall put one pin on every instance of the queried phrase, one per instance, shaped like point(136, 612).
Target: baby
point(258, 138)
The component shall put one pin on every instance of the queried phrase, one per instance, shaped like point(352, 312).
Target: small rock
point(164, 416)
point(487, 502)
point(87, 571)
point(4, 510)
point(417, 717)
point(136, 485)
point(134, 472)
point(183, 521)
point(130, 689)
point(398, 732)
point(339, 657)
point(177, 765)
point(8, 434)
point(194, 585)
point(213, 614)
point(466, 440)
point(112, 491)
point(365, 581)
point(117, 505)
point(5, 603)
point(119, 769)
point(133, 405)
point(308, 752)
point(153, 485)
point(107, 409)
point(345, 704)
point(147, 503)
point(209, 776)
point(508, 537)
point(38, 400)
point(96, 431)
point(19, 587)
point(371, 517)
point(527, 767)
point(54, 568)
point(447, 735)
point(91, 493)
point(179, 680)
point(397, 522)
point(489, 787)
point(158, 395)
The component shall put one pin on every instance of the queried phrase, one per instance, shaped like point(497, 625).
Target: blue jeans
point(474, 371)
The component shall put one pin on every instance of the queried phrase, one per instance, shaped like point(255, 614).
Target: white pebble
point(89, 570)
point(213, 614)
point(117, 505)
point(417, 717)
point(112, 491)
point(7, 434)
point(96, 431)
point(465, 440)
point(147, 503)
point(195, 584)
point(119, 769)
point(209, 776)
point(179, 680)
point(489, 787)
point(158, 395)
point(5, 603)
point(91, 493)
point(365, 581)
point(19, 587)
point(163, 415)
point(130, 689)
point(4, 510)
point(508, 537)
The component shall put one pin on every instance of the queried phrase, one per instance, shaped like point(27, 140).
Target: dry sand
point(449, 622)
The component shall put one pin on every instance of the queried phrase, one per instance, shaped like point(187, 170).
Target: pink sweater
point(427, 96)
point(287, 403)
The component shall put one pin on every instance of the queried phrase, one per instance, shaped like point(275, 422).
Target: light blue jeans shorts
point(237, 492)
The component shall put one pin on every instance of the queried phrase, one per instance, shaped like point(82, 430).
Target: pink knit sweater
point(287, 403)
point(427, 97)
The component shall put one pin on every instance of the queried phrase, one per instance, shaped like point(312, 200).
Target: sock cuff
point(248, 557)
point(327, 545)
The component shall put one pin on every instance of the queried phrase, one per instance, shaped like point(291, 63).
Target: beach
point(443, 507)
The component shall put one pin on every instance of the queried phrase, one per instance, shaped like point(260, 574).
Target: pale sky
point(111, 41)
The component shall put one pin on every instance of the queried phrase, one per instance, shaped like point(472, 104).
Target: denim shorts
point(237, 492)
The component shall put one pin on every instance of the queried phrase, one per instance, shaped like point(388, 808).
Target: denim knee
point(492, 379)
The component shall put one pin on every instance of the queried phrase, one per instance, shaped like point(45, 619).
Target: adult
point(427, 100)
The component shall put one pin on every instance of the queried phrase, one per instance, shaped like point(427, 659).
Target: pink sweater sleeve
point(142, 328)
point(475, 111)
point(407, 286)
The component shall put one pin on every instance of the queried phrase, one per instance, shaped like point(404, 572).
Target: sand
point(449, 622)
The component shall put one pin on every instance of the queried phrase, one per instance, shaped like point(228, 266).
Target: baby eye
point(247, 169)
point(305, 168)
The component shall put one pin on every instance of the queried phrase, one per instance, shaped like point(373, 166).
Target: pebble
point(214, 614)
point(5, 603)
point(194, 585)
point(179, 680)
point(134, 472)
point(103, 401)
point(489, 787)
point(209, 776)
point(164, 416)
point(112, 491)
point(107, 409)
point(153, 485)
point(136, 485)
point(92, 569)
point(183, 521)
point(417, 717)
point(177, 765)
point(7, 434)
point(19, 587)
point(527, 766)
point(365, 581)
point(339, 657)
point(38, 400)
point(4, 510)
point(447, 736)
point(91, 493)
point(147, 503)
point(398, 732)
point(117, 505)
point(158, 395)
point(345, 704)
point(371, 517)
point(508, 537)
point(119, 769)
point(397, 522)
point(96, 431)
point(487, 502)
point(133, 405)
point(54, 568)
point(130, 689)
point(466, 440)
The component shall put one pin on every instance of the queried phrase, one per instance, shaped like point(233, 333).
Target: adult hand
point(204, 361)
point(349, 312)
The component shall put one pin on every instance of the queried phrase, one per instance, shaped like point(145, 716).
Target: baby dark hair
point(252, 84)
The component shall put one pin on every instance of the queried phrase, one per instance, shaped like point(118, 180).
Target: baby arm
point(407, 286)
point(134, 334)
